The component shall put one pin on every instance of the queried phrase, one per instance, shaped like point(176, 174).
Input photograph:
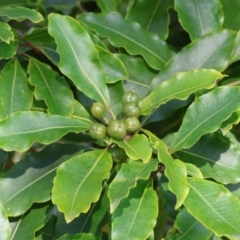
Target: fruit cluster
point(117, 129)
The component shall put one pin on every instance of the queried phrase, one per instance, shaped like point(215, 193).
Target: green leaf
point(180, 86)
point(127, 178)
point(8, 50)
point(211, 199)
point(186, 226)
point(231, 14)
point(175, 171)
point(152, 17)
point(141, 203)
point(199, 17)
point(79, 59)
point(36, 126)
point(123, 33)
point(107, 5)
point(136, 147)
point(236, 51)
point(6, 33)
point(112, 66)
point(25, 226)
point(39, 39)
point(139, 82)
point(193, 171)
point(20, 13)
point(15, 94)
point(50, 87)
point(213, 51)
point(215, 107)
point(31, 178)
point(7, 3)
point(5, 228)
point(79, 182)
point(80, 236)
point(220, 159)
point(228, 124)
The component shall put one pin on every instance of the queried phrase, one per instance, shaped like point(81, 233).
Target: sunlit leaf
point(127, 178)
point(123, 33)
point(80, 236)
point(199, 17)
point(6, 33)
point(136, 147)
point(15, 94)
point(141, 203)
point(36, 126)
point(175, 171)
point(211, 51)
point(5, 228)
point(211, 199)
point(180, 86)
point(79, 59)
point(51, 88)
point(20, 13)
point(8, 50)
point(215, 107)
point(79, 182)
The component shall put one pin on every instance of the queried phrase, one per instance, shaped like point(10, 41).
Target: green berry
point(131, 110)
point(130, 97)
point(117, 129)
point(118, 154)
point(98, 131)
point(133, 124)
point(98, 110)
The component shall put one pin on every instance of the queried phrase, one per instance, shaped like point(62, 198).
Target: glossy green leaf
point(36, 126)
point(31, 178)
point(79, 182)
point(39, 39)
point(123, 33)
point(213, 51)
point(50, 87)
point(211, 199)
point(20, 13)
point(152, 17)
point(112, 66)
point(8, 50)
point(186, 226)
point(215, 107)
point(175, 171)
point(228, 124)
point(136, 147)
point(220, 159)
point(79, 59)
point(5, 228)
point(141, 203)
point(236, 51)
point(81, 113)
point(13, 84)
point(25, 226)
point(180, 86)
point(199, 17)
point(80, 236)
point(138, 82)
point(231, 14)
point(193, 171)
point(107, 5)
point(127, 178)
point(6, 33)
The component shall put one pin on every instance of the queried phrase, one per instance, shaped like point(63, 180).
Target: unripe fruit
point(130, 97)
point(98, 110)
point(133, 124)
point(98, 131)
point(131, 110)
point(118, 154)
point(117, 129)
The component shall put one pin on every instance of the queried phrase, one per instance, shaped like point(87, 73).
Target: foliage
point(119, 119)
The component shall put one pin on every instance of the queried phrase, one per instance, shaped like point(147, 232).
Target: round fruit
point(118, 154)
point(133, 124)
point(117, 129)
point(98, 110)
point(98, 131)
point(131, 110)
point(130, 97)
